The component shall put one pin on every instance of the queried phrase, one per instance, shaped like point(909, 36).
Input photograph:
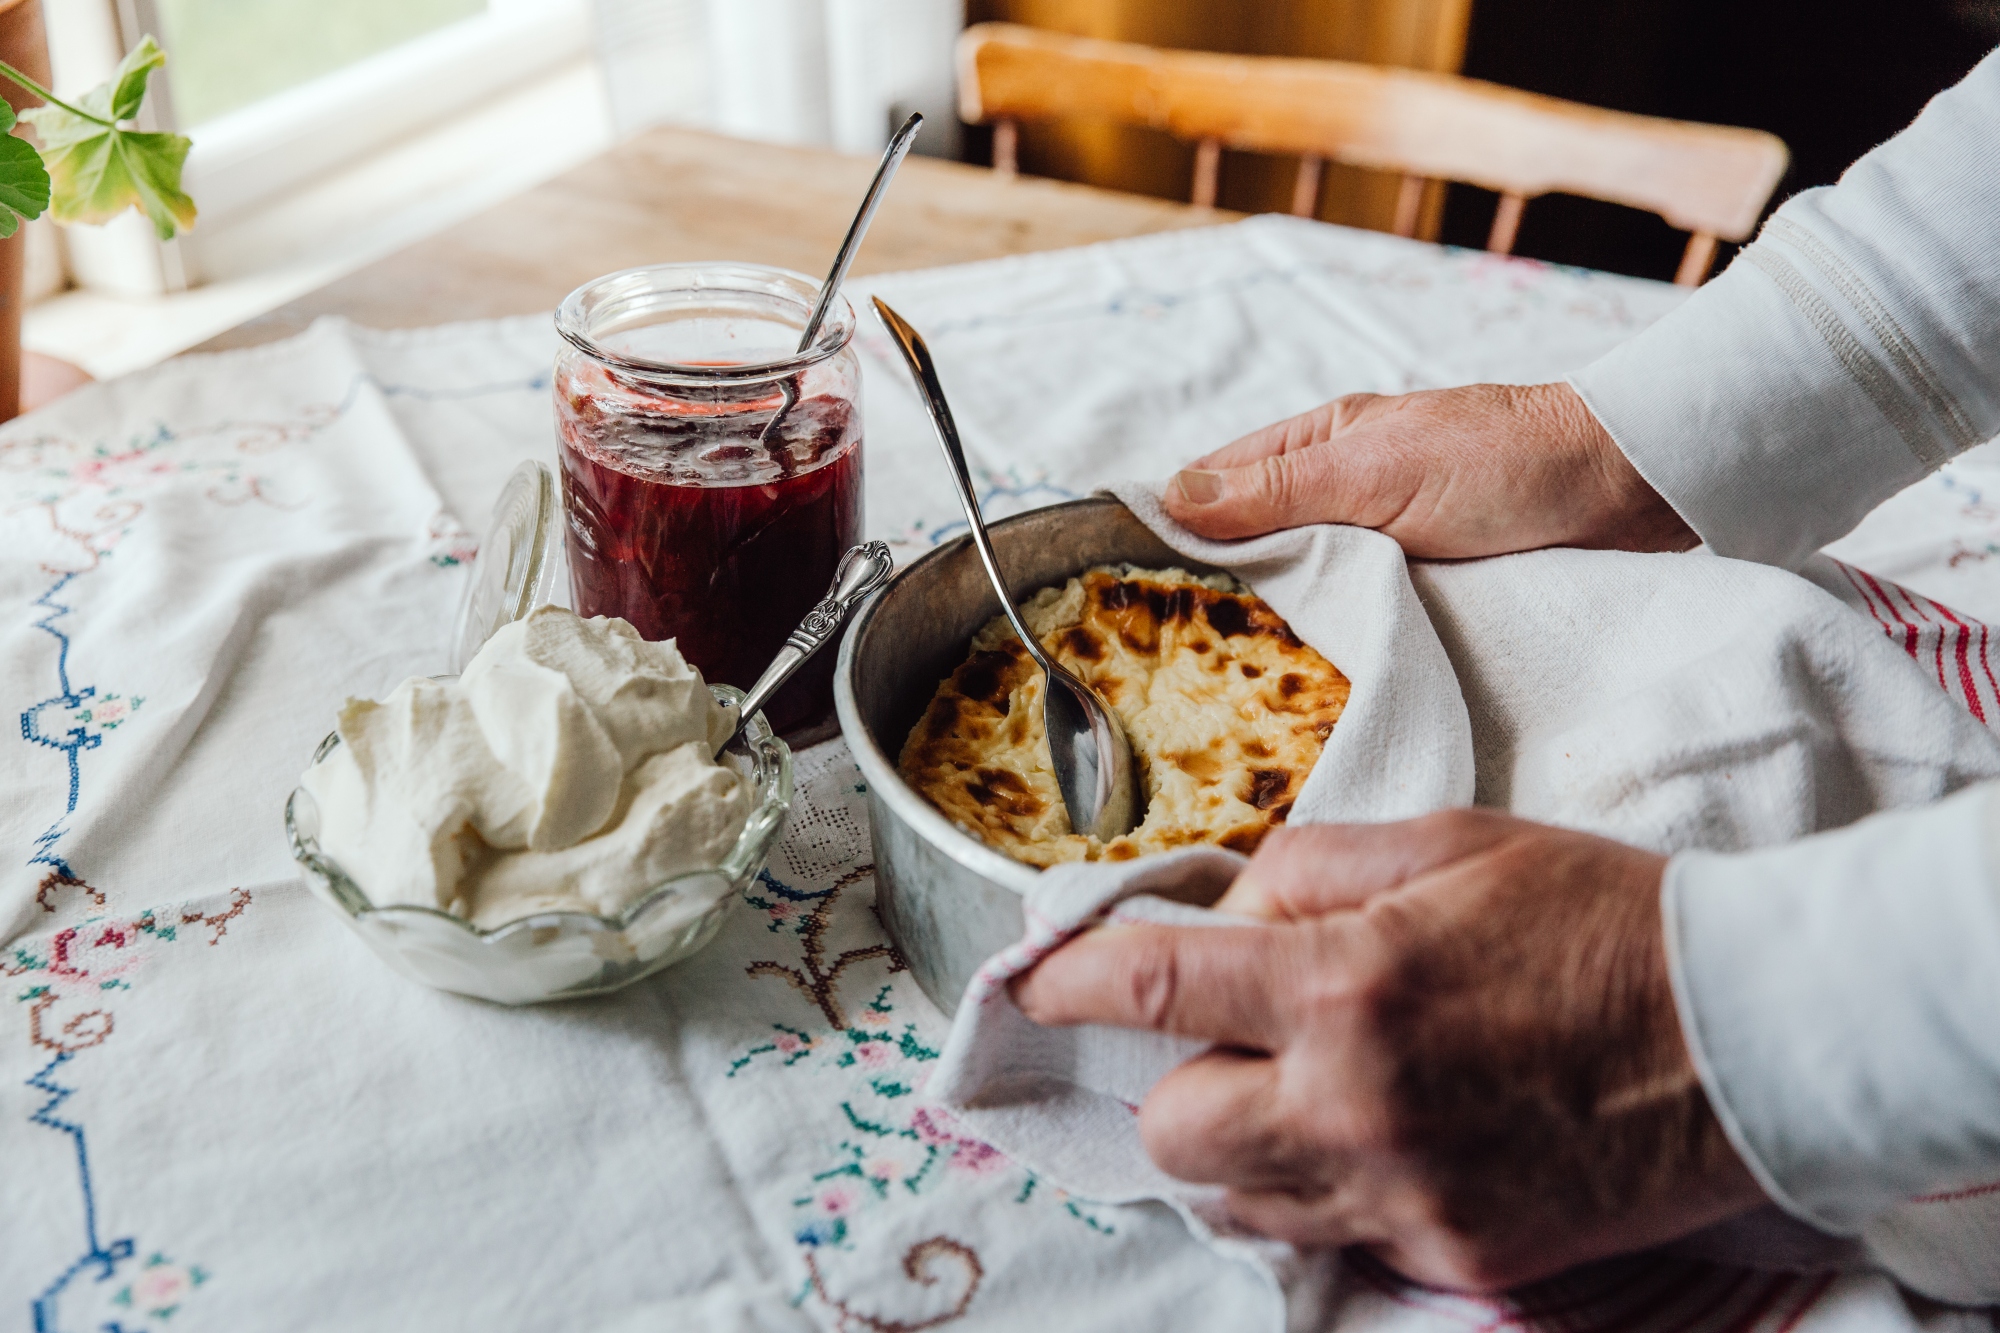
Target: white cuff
point(1735, 408)
point(1841, 999)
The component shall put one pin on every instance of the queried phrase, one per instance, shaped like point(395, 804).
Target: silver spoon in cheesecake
point(1088, 748)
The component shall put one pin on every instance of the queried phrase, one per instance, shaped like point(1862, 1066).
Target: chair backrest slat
point(1409, 205)
point(1207, 172)
point(1305, 186)
point(1506, 224)
point(1708, 179)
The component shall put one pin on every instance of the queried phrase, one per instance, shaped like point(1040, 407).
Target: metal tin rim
point(880, 769)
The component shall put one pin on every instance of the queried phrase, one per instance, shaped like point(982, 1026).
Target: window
point(326, 134)
point(277, 95)
point(229, 53)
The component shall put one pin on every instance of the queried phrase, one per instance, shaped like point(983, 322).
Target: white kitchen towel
point(1689, 701)
point(1402, 747)
point(1671, 701)
point(1065, 1098)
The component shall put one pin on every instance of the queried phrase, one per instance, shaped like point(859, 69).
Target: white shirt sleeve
point(1841, 998)
point(1847, 352)
point(1840, 995)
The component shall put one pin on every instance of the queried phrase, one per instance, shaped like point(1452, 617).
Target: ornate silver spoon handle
point(862, 570)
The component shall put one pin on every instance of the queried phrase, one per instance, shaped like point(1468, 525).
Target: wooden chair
point(1710, 180)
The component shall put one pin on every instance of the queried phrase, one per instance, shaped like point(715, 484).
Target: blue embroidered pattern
point(72, 721)
point(73, 741)
point(71, 738)
point(96, 1253)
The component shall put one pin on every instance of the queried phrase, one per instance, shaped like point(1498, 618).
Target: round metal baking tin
point(948, 900)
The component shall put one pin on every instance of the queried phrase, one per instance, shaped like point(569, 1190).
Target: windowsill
point(306, 238)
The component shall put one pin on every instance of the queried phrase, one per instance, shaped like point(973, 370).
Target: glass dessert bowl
point(562, 954)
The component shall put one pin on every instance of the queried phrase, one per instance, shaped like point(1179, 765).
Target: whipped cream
point(570, 768)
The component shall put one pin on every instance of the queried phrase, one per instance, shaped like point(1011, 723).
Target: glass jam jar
point(711, 472)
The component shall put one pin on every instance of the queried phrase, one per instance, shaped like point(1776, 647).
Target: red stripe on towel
point(1866, 600)
point(1964, 663)
point(1909, 628)
point(1917, 604)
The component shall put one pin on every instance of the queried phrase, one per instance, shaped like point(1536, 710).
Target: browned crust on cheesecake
point(1226, 708)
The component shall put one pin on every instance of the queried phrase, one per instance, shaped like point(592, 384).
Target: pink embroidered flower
point(968, 1154)
point(976, 1158)
point(884, 1168)
point(110, 712)
point(91, 955)
point(874, 1054)
point(836, 1201)
point(790, 1044)
point(161, 1287)
point(930, 1126)
point(781, 912)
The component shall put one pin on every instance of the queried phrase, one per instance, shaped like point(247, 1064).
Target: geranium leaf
point(24, 183)
point(58, 126)
point(98, 178)
point(153, 161)
point(128, 85)
point(97, 169)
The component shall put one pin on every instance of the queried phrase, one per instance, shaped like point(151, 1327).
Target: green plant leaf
point(97, 169)
point(24, 183)
point(128, 85)
point(58, 127)
point(96, 179)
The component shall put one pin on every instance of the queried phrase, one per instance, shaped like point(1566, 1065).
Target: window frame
point(249, 158)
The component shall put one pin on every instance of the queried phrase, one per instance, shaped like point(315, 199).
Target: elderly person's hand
point(1449, 473)
point(1451, 1040)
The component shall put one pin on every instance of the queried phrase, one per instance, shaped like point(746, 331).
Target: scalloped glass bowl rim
point(742, 863)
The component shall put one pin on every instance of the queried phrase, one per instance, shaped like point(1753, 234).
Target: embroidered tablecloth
point(218, 1111)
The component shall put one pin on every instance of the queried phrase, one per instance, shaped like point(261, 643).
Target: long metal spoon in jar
point(892, 157)
point(1087, 745)
point(862, 570)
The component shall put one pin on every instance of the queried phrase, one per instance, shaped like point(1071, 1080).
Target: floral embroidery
point(71, 983)
point(451, 545)
point(106, 712)
point(87, 493)
point(892, 1148)
point(160, 1287)
point(808, 913)
point(69, 502)
point(89, 497)
point(921, 1263)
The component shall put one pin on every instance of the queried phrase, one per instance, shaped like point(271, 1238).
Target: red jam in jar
point(711, 473)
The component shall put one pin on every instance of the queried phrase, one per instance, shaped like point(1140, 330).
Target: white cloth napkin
point(1671, 701)
point(1064, 1099)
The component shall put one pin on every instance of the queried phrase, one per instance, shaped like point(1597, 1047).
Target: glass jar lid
point(519, 564)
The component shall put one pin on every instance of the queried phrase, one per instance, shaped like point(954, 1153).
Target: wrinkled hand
point(1449, 473)
point(1451, 1040)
